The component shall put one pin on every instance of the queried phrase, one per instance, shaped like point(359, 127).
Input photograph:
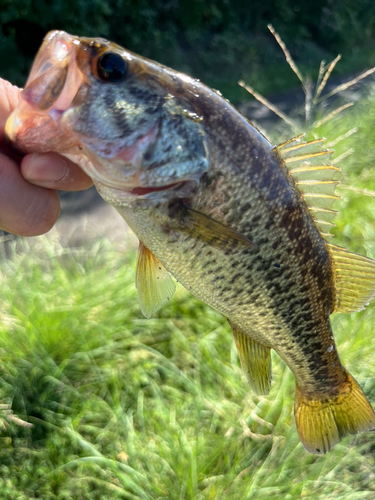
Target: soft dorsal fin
point(311, 168)
point(255, 361)
point(354, 279)
point(153, 282)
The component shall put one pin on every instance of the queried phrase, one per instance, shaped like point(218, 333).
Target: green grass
point(128, 408)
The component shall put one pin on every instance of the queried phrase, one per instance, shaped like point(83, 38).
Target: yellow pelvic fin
point(323, 421)
point(354, 279)
point(208, 230)
point(311, 168)
point(255, 361)
point(153, 282)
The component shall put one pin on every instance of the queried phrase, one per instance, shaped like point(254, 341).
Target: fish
point(242, 224)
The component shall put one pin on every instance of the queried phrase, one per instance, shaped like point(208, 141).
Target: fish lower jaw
point(111, 191)
point(119, 196)
point(111, 184)
point(144, 191)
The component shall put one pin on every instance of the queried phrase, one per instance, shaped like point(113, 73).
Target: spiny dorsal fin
point(292, 142)
point(301, 147)
point(354, 279)
point(311, 168)
point(255, 361)
point(153, 282)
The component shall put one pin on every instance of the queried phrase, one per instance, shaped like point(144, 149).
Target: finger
point(25, 210)
point(55, 172)
point(9, 97)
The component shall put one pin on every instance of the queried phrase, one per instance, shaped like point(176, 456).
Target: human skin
point(29, 204)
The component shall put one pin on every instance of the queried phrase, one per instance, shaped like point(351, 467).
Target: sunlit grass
point(124, 407)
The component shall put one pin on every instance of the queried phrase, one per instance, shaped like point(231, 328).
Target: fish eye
point(111, 67)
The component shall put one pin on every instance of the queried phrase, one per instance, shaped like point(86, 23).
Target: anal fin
point(323, 421)
point(255, 361)
point(153, 282)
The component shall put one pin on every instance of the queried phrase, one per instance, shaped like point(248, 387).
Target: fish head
point(128, 122)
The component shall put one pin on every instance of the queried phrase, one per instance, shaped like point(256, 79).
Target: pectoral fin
point(255, 361)
point(204, 228)
point(153, 282)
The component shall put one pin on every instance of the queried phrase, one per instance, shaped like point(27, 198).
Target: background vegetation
point(218, 41)
point(122, 407)
point(97, 402)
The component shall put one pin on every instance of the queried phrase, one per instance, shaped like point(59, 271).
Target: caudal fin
point(323, 421)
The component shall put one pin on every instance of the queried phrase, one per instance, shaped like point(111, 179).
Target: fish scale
point(240, 223)
point(255, 282)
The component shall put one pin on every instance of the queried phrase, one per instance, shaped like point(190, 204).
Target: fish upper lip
point(52, 85)
point(56, 45)
point(55, 77)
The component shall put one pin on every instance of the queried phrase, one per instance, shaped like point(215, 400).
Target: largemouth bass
point(239, 222)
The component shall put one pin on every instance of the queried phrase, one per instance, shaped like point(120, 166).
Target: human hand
point(29, 204)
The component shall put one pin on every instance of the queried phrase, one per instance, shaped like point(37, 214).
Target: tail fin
point(323, 421)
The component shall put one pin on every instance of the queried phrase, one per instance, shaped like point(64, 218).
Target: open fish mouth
point(64, 84)
point(51, 89)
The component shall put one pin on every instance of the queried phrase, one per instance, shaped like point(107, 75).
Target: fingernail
point(46, 167)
